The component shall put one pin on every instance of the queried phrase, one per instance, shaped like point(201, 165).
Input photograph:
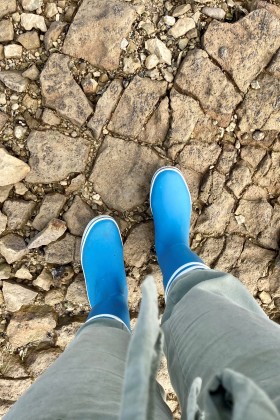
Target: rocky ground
point(94, 97)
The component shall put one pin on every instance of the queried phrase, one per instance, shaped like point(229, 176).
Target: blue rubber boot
point(171, 207)
point(104, 272)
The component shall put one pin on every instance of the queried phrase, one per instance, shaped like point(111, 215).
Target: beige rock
point(199, 157)
point(6, 31)
point(131, 64)
point(274, 65)
point(51, 10)
point(252, 155)
point(31, 324)
point(12, 247)
point(31, 73)
point(20, 188)
point(181, 27)
point(31, 5)
point(135, 106)
point(76, 292)
point(53, 33)
point(138, 245)
point(241, 48)
point(203, 80)
point(240, 177)
point(95, 24)
point(269, 237)
point(14, 80)
point(23, 273)
point(214, 12)
point(16, 296)
point(50, 118)
point(7, 7)
point(66, 333)
point(2, 52)
point(76, 184)
point(18, 212)
point(181, 10)
point(133, 172)
point(61, 251)
point(89, 86)
point(257, 215)
point(44, 281)
point(61, 92)
point(54, 297)
point(211, 250)
point(30, 40)
point(3, 119)
point(50, 208)
point(3, 222)
point(260, 109)
point(78, 216)
point(5, 271)
point(151, 61)
point(4, 192)
point(53, 231)
point(37, 363)
point(268, 177)
point(157, 47)
point(12, 389)
point(53, 156)
point(157, 127)
point(193, 180)
point(30, 21)
point(13, 51)
point(11, 365)
point(105, 107)
point(232, 250)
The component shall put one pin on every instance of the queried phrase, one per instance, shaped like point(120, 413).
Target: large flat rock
point(53, 156)
point(61, 92)
point(244, 48)
point(97, 31)
point(122, 173)
point(204, 81)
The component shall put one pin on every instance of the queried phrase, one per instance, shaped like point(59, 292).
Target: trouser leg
point(212, 322)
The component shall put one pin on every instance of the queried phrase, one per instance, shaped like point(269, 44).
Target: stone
point(20, 188)
point(5, 271)
point(181, 27)
point(31, 5)
point(270, 236)
point(18, 212)
point(155, 131)
point(199, 157)
point(89, 86)
point(257, 215)
point(14, 80)
point(55, 30)
point(105, 107)
point(268, 174)
point(76, 184)
point(29, 40)
point(214, 12)
point(254, 192)
point(76, 292)
point(240, 177)
point(274, 66)
point(31, 325)
point(78, 216)
point(261, 4)
point(23, 273)
point(61, 251)
point(133, 171)
point(51, 207)
point(3, 222)
point(66, 333)
point(95, 24)
point(131, 64)
point(151, 61)
point(6, 31)
point(4, 192)
point(31, 73)
point(53, 156)
point(135, 106)
point(265, 297)
point(53, 231)
point(7, 7)
point(61, 92)
point(211, 250)
point(54, 297)
point(252, 155)
point(30, 21)
point(44, 281)
point(12, 247)
point(49, 117)
point(205, 82)
point(37, 363)
point(16, 296)
point(12, 389)
point(3, 119)
point(193, 180)
point(252, 265)
point(185, 115)
point(244, 48)
point(138, 245)
point(260, 109)
point(13, 51)
point(181, 10)
point(169, 20)
point(11, 365)
point(51, 10)
point(231, 252)
point(215, 217)
point(157, 47)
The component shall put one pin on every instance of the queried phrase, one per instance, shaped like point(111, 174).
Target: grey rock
point(52, 34)
point(18, 212)
point(31, 73)
point(156, 129)
point(78, 216)
point(199, 157)
point(138, 245)
point(7, 7)
point(61, 92)
point(16, 296)
point(3, 222)
point(76, 292)
point(54, 156)
point(12, 247)
point(50, 208)
point(53, 231)
point(61, 251)
point(3, 119)
point(214, 12)
point(14, 80)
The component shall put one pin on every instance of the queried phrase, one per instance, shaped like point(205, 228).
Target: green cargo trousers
point(223, 357)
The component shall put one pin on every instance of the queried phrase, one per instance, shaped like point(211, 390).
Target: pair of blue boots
point(102, 248)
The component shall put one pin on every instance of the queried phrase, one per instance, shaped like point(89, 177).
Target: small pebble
point(258, 135)
point(169, 20)
point(181, 10)
point(214, 12)
point(255, 84)
point(151, 61)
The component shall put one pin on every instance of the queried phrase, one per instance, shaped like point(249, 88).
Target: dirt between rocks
point(95, 95)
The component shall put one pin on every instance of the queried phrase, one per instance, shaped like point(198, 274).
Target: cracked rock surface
point(95, 96)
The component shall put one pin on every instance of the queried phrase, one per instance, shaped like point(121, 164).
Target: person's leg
point(211, 321)
point(86, 381)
